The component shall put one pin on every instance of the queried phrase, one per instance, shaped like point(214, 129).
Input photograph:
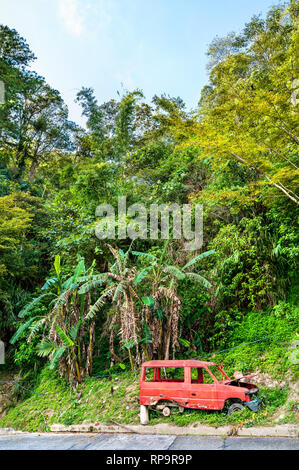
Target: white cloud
point(69, 13)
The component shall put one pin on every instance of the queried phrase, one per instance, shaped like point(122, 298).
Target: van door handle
point(193, 394)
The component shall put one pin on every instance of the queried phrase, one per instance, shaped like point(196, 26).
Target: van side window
point(149, 374)
point(199, 375)
point(172, 374)
point(164, 374)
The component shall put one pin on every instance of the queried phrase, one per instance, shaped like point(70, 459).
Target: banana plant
point(159, 271)
point(164, 278)
point(117, 289)
point(69, 346)
point(66, 312)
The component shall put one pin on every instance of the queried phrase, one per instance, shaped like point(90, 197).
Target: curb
point(284, 430)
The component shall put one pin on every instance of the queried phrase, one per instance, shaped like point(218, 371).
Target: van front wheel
point(144, 415)
point(235, 408)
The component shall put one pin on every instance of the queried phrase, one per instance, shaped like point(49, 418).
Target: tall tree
point(33, 119)
point(247, 114)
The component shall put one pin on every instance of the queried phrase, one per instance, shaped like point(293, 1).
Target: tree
point(65, 326)
point(246, 113)
point(162, 308)
point(118, 292)
point(33, 119)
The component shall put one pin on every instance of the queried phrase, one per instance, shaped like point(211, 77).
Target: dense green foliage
point(89, 305)
point(54, 401)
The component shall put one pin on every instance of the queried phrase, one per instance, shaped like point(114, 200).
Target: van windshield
point(217, 373)
point(164, 374)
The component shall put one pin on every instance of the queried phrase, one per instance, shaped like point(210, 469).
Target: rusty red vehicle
point(192, 384)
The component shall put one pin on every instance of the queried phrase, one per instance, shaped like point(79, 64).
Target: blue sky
point(156, 45)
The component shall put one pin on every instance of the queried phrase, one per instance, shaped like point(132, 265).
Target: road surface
point(50, 441)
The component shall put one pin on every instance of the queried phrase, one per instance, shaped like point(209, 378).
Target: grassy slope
point(94, 402)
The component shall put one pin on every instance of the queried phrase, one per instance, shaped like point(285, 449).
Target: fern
point(198, 258)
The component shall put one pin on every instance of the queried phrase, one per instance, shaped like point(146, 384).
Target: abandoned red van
point(192, 384)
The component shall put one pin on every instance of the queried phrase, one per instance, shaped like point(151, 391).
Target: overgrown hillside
point(113, 397)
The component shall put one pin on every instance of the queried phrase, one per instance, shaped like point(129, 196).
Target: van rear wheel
point(166, 411)
point(235, 408)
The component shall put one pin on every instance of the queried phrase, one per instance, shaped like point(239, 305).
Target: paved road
point(35, 441)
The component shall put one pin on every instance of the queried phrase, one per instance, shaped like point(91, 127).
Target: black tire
point(235, 408)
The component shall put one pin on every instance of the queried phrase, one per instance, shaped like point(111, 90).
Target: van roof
point(178, 363)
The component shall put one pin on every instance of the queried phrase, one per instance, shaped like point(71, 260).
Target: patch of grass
point(271, 355)
point(95, 400)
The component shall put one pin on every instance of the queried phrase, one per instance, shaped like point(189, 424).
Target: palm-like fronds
point(57, 354)
point(142, 275)
point(20, 330)
point(174, 271)
point(32, 304)
point(63, 323)
point(145, 255)
point(64, 337)
point(95, 281)
point(198, 258)
point(61, 299)
point(119, 290)
point(199, 278)
point(73, 331)
point(50, 283)
point(45, 347)
point(35, 328)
